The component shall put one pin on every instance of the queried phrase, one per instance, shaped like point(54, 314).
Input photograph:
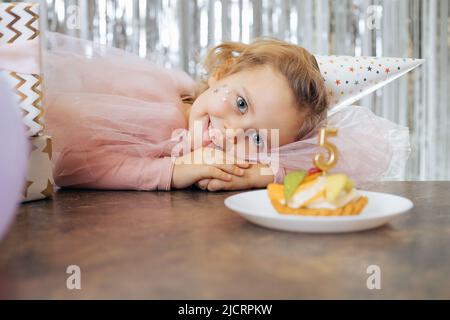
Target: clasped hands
point(208, 169)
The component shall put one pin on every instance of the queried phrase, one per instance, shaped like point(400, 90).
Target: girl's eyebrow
point(249, 98)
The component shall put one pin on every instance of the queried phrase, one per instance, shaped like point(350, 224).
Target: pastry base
point(350, 209)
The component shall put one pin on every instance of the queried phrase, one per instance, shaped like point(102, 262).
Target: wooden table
point(187, 244)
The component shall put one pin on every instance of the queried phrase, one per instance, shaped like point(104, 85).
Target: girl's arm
point(102, 169)
point(113, 171)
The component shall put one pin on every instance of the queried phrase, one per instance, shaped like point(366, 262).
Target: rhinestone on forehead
point(225, 89)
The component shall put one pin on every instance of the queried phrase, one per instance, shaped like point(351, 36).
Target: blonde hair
point(295, 63)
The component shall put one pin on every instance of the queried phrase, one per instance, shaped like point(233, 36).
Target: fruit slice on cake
point(311, 193)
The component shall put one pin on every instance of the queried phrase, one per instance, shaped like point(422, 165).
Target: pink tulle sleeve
point(114, 171)
point(111, 115)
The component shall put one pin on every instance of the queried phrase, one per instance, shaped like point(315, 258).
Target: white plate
point(255, 206)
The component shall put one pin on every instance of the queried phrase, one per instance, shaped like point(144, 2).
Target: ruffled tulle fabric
point(371, 148)
point(109, 111)
point(112, 115)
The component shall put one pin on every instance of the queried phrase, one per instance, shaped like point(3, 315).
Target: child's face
point(251, 100)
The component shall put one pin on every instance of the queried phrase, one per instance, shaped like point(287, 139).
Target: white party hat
point(348, 79)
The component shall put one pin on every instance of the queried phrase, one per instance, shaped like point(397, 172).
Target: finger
point(231, 158)
point(203, 184)
point(216, 185)
point(213, 172)
point(217, 157)
point(231, 169)
point(243, 165)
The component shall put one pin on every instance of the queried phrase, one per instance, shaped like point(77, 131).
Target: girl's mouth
point(211, 135)
point(206, 132)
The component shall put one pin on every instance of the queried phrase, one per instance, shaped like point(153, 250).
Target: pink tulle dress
point(112, 114)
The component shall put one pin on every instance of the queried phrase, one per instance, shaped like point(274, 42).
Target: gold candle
point(319, 159)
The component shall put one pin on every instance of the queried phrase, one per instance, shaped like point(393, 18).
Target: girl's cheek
point(216, 106)
point(251, 148)
point(202, 107)
point(244, 148)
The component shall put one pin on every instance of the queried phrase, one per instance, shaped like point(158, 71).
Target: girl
point(113, 116)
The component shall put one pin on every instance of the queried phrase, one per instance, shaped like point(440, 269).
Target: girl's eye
point(241, 104)
point(257, 139)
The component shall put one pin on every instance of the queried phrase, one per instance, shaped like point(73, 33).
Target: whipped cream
point(300, 198)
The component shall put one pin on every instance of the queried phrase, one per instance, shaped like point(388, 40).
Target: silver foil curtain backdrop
point(178, 34)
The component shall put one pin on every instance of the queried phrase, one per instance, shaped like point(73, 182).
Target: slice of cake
point(314, 194)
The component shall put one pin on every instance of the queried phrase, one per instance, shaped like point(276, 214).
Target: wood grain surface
point(188, 245)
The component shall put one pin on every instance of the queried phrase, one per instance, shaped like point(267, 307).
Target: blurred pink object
point(13, 159)
point(111, 115)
